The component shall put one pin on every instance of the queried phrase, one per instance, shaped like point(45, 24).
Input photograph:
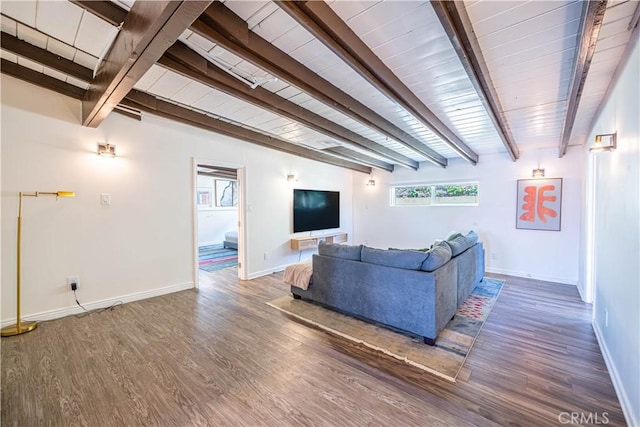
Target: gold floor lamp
point(21, 327)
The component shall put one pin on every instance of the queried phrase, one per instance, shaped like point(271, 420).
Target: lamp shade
point(106, 150)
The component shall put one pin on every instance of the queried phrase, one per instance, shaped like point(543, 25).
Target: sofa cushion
point(410, 260)
point(458, 245)
point(438, 256)
point(340, 251)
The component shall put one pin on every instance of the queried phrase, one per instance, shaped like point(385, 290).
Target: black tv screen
point(315, 210)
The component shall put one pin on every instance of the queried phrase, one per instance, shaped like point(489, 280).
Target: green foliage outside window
point(456, 190)
point(413, 192)
point(440, 194)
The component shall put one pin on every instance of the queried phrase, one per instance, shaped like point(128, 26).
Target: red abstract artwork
point(539, 203)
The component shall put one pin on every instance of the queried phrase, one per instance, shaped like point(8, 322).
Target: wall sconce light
point(604, 142)
point(291, 177)
point(21, 327)
point(106, 150)
point(371, 182)
point(538, 173)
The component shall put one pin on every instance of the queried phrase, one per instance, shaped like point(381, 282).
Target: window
point(226, 193)
point(217, 194)
point(435, 194)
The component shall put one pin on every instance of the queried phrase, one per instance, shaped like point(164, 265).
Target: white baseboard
point(62, 312)
point(266, 272)
point(581, 292)
point(627, 408)
point(562, 280)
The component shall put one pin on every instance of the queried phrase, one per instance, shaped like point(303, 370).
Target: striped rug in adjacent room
point(216, 257)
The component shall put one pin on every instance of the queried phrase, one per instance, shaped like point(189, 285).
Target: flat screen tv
point(315, 210)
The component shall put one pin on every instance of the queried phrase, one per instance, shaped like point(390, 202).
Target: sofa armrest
point(470, 266)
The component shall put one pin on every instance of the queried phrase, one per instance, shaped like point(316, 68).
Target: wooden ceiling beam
point(151, 104)
point(319, 19)
point(359, 157)
point(592, 17)
point(44, 57)
point(217, 169)
point(217, 172)
point(230, 177)
point(41, 79)
point(104, 9)
point(456, 23)
point(55, 62)
point(182, 60)
point(114, 14)
point(213, 77)
point(149, 29)
point(140, 101)
point(220, 25)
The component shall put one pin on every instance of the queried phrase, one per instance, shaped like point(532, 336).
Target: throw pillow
point(340, 251)
point(438, 256)
point(409, 260)
point(472, 238)
point(458, 245)
point(452, 235)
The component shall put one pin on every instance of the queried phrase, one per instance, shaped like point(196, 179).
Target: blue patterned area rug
point(215, 257)
point(445, 359)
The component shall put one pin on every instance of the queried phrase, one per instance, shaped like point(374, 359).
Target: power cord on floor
point(77, 302)
point(98, 310)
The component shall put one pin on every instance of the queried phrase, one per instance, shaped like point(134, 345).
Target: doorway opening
point(218, 208)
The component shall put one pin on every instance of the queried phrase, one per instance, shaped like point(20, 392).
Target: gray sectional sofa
point(408, 290)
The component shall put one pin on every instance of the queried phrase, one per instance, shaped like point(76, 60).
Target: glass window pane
point(412, 196)
point(456, 194)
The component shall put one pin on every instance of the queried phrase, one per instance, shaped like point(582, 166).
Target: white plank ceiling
point(529, 48)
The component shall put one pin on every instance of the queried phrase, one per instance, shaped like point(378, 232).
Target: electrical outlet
point(266, 256)
point(494, 256)
point(606, 318)
point(73, 280)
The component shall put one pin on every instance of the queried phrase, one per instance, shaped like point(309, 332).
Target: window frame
point(433, 185)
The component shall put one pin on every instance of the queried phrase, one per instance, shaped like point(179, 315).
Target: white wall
point(617, 238)
point(214, 222)
point(143, 243)
point(546, 255)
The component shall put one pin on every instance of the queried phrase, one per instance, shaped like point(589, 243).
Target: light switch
point(105, 199)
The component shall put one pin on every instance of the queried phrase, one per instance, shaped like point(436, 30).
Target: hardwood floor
point(221, 356)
